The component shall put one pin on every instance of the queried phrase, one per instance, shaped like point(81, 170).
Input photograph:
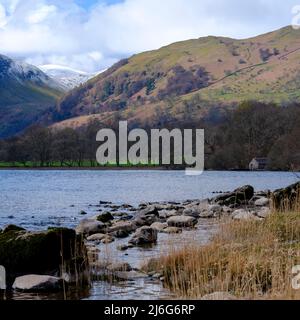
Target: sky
point(91, 35)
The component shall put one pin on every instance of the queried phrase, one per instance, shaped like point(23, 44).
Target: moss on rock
point(52, 252)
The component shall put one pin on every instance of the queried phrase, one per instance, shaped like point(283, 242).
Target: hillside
point(25, 93)
point(194, 74)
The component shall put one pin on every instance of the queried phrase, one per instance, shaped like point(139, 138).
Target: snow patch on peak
point(68, 77)
point(56, 68)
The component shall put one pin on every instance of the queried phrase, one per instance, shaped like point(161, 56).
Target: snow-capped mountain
point(23, 73)
point(69, 78)
point(26, 93)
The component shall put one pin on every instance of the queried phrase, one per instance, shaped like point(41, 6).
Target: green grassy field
point(84, 164)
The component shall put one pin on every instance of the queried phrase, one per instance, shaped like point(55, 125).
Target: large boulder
point(182, 221)
point(165, 214)
point(150, 210)
point(122, 226)
point(144, 235)
point(194, 211)
point(90, 226)
point(263, 212)
point(147, 216)
point(105, 217)
point(286, 198)
point(239, 196)
point(53, 252)
point(159, 226)
point(262, 202)
point(38, 283)
point(97, 237)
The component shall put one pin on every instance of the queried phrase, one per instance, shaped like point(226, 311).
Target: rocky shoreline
point(55, 259)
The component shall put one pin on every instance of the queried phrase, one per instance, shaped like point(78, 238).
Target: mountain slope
point(25, 93)
point(68, 78)
point(210, 70)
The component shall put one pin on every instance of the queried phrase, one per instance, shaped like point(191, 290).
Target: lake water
point(38, 199)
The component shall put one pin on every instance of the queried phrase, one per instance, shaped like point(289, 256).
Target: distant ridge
point(212, 70)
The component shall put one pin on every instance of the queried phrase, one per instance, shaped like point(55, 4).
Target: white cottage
point(258, 164)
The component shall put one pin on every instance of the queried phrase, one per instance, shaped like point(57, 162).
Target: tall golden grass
point(249, 259)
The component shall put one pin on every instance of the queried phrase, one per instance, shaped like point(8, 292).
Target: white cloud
point(40, 14)
point(96, 55)
point(62, 32)
point(3, 20)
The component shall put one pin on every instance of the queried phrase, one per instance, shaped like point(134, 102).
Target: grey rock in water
point(165, 214)
point(262, 202)
point(104, 202)
point(120, 234)
point(147, 216)
point(97, 237)
point(107, 239)
point(90, 226)
point(172, 230)
point(239, 196)
point(119, 266)
point(129, 275)
point(38, 283)
point(159, 226)
point(144, 235)
point(194, 211)
point(207, 215)
point(127, 226)
point(105, 217)
point(182, 222)
point(212, 211)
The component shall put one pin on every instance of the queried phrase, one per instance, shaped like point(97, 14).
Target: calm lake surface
point(39, 199)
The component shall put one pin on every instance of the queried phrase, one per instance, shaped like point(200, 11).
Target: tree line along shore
point(233, 137)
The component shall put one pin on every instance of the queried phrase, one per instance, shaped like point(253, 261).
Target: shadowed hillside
point(25, 93)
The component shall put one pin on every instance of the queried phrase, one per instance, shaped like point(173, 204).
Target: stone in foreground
point(172, 230)
point(159, 226)
point(243, 214)
point(121, 266)
point(105, 217)
point(143, 236)
point(262, 202)
point(238, 196)
point(264, 212)
point(38, 283)
point(182, 222)
point(50, 252)
point(97, 237)
point(286, 198)
point(90, 227)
